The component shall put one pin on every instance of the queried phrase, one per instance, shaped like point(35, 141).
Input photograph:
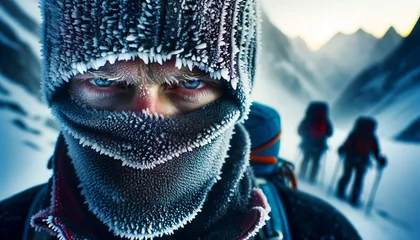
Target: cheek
point(216, 94)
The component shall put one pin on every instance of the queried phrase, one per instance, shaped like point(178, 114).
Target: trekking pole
point(298, 158)
point(297, 155)
point(373, 192)
point(334, 177)
point(324, 166)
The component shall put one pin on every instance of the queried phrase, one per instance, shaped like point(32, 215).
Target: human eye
point(194, 91)
point(100, 82)
point(192, 84)
point(101, 93)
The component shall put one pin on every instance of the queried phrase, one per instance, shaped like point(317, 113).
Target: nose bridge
point(147, 98)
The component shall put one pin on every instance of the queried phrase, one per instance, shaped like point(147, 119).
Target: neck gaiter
point(143, 175)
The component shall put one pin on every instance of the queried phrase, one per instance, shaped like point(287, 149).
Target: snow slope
point(279, 61)
point(19, 42)
point(27, 141)
point(411, 133)
point(28, 131)
point(397, 197)
point(396, 214)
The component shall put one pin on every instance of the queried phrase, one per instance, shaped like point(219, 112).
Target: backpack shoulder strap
point(277, 226)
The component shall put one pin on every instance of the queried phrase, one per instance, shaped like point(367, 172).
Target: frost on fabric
point(123, 135)
point(140, 211)
point(142, 204)
point(218, 37)
point(53, 225)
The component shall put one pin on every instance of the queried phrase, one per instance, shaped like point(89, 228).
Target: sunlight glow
point(317, 21)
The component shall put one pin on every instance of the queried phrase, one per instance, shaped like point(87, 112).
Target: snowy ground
point(396, 214)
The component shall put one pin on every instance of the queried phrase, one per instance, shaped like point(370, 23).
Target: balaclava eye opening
point(144, 175)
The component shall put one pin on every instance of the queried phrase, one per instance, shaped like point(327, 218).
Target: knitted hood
point(219, 37)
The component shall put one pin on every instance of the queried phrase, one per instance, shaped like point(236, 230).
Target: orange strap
point(264, 159)
point(293, 179)
point(266, 145)
point(289, 175)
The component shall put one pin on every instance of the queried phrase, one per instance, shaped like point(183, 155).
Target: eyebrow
point(191, 75)
point(107, 75)
point(150, 75)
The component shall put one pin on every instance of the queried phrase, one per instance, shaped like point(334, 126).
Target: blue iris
point(103, 82)
point(190, 84)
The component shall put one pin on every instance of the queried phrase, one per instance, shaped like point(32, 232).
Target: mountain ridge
point(389, 89)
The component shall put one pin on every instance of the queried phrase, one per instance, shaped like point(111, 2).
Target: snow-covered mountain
point(28, 132)
point(344, 56)
point(389, 90)
point(411, 133)
point(283, 68)
point(349, 49)
point(20, 50)
point(301, 48)
point(27, 140)
point(386, 45)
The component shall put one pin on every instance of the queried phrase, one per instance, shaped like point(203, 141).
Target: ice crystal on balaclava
point(145, 175)
point(150, 202)
point(159, 139)
point(219, 37)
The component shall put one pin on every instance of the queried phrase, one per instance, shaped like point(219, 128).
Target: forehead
point(136, 71)
point(138, 67)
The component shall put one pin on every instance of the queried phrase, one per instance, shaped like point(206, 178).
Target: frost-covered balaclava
point(145, 175)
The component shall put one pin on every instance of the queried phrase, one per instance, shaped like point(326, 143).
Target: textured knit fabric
point(263, 125)
point(219, 37)
point(308, 216)
point(227, 214)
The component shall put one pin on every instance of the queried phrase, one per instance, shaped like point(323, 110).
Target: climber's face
point(135, 86)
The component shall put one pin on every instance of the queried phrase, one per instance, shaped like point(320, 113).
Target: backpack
point(271, 172)
point(362, 140)
point(362, 146)
point(318, 129)
point(316, 120)
point(277, 226)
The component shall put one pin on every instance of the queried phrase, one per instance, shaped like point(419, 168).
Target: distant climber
point(314, 130)
point(360, 143)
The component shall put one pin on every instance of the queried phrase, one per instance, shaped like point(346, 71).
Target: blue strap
point(277, 226)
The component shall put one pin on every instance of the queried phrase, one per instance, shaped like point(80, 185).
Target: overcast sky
point(316, 21)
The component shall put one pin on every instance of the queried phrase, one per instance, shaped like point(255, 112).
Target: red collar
point(67, 214)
